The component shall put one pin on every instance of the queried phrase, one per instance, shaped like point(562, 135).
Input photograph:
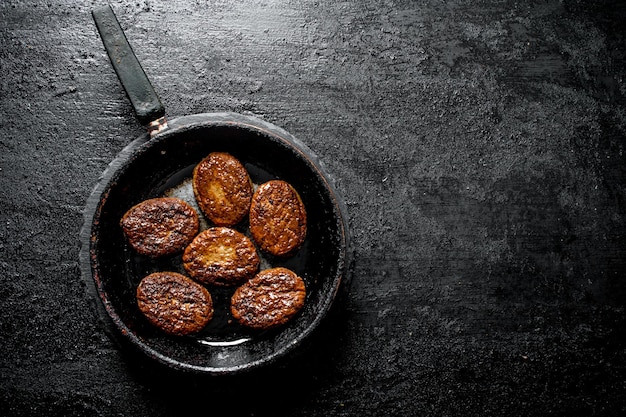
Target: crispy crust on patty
point(269, 299)
point(174, 303)
point(278, 219)
point(160, 226)
point(221, 256)
point(222, 188)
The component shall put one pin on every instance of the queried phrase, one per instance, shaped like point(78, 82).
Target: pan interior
point(162, 167)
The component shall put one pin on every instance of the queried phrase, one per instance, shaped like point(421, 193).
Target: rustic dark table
point(479, 146)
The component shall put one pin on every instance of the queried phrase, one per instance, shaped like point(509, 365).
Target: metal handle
point(142, 96)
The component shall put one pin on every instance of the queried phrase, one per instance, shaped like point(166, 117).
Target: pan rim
point(115, 326)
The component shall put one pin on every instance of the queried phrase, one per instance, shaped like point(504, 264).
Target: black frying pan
point(160, 163)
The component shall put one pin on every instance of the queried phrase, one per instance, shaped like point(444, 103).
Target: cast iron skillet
point(160, 163)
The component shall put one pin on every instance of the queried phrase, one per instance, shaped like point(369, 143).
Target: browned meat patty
point(160, 226)
point(223, 188)
point(221, 256)
point(269, 299)
point(174, 303)
point(277, 218)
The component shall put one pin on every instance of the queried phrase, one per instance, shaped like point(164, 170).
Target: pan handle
point(142, 96)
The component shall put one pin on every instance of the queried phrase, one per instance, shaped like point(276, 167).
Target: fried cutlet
point(278, 219)
point(221, 256)
point(160, 226)
point(222, 188)
point(174, 303)
point(269, 299)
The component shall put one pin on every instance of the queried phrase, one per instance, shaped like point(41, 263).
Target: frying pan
point(160, 163)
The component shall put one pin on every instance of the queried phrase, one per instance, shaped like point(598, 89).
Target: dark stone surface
point(479, 146)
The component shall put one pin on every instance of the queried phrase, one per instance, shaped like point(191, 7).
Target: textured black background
point(479, 146)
